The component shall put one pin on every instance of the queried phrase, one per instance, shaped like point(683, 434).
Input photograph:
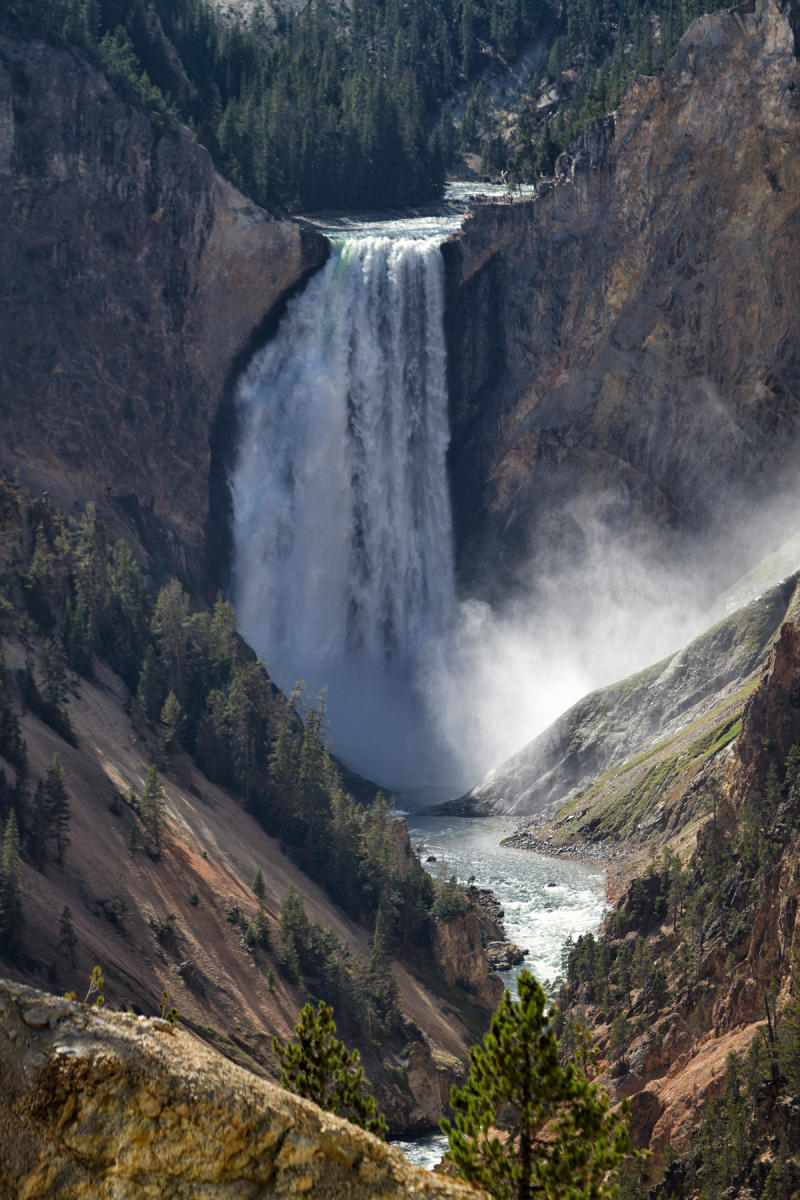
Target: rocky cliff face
point(616, 737)
point(133, 277)
point(730, 967)
point(461, 957)
point(623, 349)
point(96, 1103)
point(772, 717)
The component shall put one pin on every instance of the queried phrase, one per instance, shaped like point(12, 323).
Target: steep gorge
point(622, 357)
point(623, 349)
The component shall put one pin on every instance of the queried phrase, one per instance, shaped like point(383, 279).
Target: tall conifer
point(11, 915)
point(559, 1136)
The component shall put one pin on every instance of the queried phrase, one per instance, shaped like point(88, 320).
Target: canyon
point(622, 373)
point(601, 338)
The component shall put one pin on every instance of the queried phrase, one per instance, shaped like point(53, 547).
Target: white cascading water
point(343, 562)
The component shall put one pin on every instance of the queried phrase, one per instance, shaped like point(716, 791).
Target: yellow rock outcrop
point(100, 1104)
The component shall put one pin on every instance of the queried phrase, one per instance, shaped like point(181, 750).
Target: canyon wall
point(623, 349)
point(134, 278)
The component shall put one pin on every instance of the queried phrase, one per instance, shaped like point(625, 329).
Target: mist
point(501, 677)
point(344, 561)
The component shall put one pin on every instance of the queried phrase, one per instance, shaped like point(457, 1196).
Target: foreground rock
point(96, 1103)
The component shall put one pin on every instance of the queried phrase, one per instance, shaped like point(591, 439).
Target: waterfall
point(343, 562)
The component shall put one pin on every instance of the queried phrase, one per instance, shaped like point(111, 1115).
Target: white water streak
point(343, 562)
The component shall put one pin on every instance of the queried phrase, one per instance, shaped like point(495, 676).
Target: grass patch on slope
point(614, 807)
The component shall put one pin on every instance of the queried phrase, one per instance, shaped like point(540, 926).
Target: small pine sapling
point(166, 1011)
point(317, 1066)
point(95, 984)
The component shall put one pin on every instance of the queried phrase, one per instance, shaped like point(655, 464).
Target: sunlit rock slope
point(618, 752)
point(95, 1103)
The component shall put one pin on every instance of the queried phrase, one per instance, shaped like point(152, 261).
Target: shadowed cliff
point(133, 278)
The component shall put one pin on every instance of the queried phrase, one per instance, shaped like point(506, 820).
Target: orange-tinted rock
point(771, 721)
point(460, 955)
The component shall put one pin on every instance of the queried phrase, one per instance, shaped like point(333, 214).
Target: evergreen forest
point(76, 600)
point(351, 107)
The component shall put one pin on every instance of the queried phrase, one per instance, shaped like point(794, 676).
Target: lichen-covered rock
point(95, 1104)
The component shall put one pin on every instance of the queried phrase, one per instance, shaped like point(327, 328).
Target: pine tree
point(380, 984)
point(67, 938)
point(54, 668)
point(171, 721)
point(38, 828)
point(120, 904)
point(284, 754)
point(317, 1066)
point(58, 812)
point(258, 931)
point(150, 688)
point(12, 745)
point(11, 915)
point(294, 932)
point(170, 627)
point(560, 1137)
point(152, 806)
point(260, 887)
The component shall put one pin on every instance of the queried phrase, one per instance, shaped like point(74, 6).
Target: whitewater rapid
point(343, 557)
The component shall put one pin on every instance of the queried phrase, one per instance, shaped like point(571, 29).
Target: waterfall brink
point(343, 571)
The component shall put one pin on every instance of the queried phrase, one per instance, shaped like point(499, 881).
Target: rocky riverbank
point(501, 953)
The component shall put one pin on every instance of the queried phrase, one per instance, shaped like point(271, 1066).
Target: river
point(546, 901)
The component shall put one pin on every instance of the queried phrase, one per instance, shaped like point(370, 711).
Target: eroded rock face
point(133, 277)
point(95, 1103)
point(771, 721)
point(460, 954)
point(623, 350)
